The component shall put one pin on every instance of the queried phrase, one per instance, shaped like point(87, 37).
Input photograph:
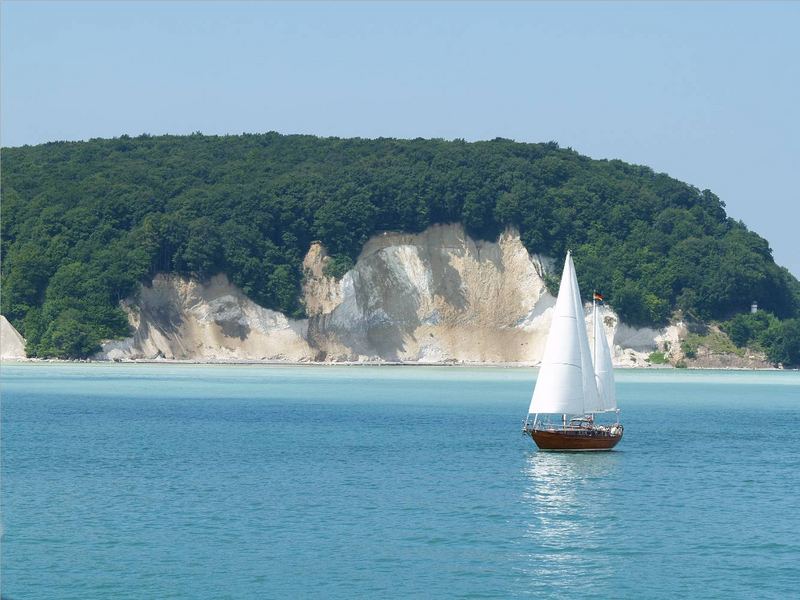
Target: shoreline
point(288, 363)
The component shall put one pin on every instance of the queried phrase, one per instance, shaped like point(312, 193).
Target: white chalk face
point(436, 296)
point(12, 344)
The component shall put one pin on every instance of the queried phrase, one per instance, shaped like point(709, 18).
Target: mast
point(594, 327)
point(594, 346)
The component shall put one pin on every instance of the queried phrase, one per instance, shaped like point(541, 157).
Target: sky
point(706, 92)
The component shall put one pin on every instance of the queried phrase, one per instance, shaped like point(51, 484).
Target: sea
point(220, 481)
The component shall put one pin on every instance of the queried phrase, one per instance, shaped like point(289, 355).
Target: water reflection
point(569, 519)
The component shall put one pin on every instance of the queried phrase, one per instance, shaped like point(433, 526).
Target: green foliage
point(719, 343)
point(67, 336)
point(782, 342)
point(716, 341)
point(762, 330)
point(657, 358)
point(748, 328)
point(338, 265)
point(85, 222)
point(552, 283)
point(346, 221)
point(637, 306)
point(690, 347)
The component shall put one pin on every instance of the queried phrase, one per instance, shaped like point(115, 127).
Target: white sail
point(565, 377)
point(603, 369)
point(591, 399)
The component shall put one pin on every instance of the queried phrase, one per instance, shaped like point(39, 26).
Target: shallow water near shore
point(198, 481)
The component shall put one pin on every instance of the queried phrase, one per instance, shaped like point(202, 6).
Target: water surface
point(167, 481)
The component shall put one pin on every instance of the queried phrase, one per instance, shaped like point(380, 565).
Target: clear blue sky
point(709, 93)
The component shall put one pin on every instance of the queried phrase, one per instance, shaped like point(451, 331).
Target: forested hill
point(85, 222)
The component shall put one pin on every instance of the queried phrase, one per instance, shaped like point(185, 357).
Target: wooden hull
point(574, 441)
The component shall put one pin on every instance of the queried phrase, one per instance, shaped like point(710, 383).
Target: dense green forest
point(83, 223)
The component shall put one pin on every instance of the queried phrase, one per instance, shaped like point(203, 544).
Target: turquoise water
point(162, 481)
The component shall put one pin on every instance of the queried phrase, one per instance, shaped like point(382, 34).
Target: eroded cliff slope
point(12, 344)
point(178, 318)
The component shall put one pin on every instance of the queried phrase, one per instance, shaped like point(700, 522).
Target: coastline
point(288, 363)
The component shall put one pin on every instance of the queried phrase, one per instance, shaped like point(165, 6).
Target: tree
point(346, 221)
point(782, 341)
point(69, 336)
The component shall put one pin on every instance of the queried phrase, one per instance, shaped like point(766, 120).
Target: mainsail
point(603, 369)
point(566, 382)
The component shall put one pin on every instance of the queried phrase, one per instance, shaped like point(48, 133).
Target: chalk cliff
point(12, 344)
point(433, 297)
point(178, 318)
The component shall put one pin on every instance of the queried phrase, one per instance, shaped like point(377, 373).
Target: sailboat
point(574, 384)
